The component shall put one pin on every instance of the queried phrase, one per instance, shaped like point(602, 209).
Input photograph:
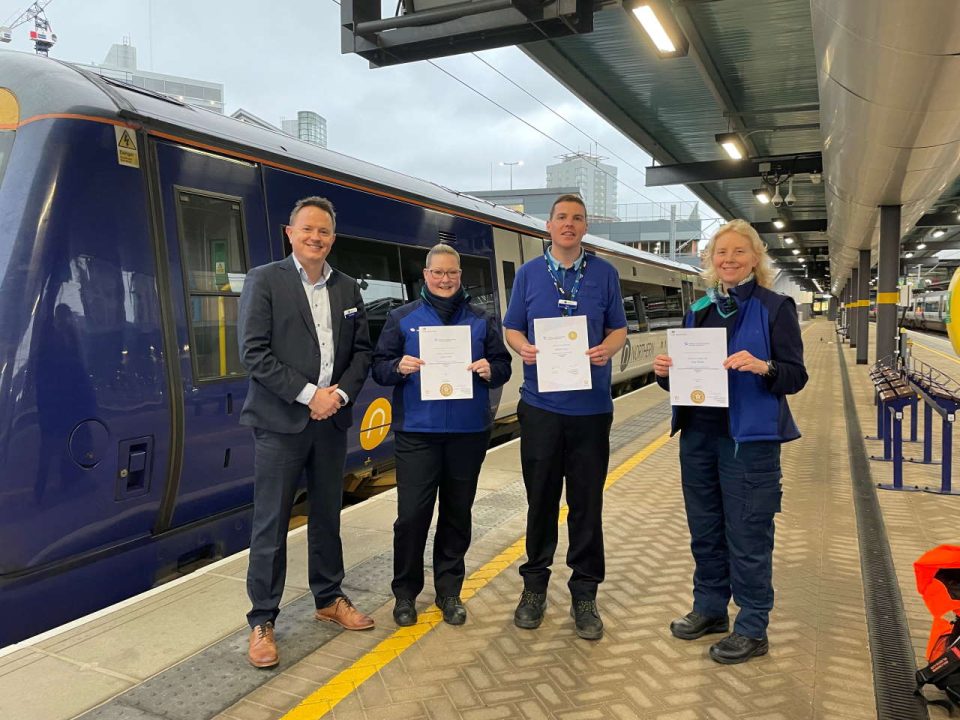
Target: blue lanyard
point(558, 284)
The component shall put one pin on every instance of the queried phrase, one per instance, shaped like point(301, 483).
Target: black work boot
point(587, 618)
point(405, 612)
point(736, 648)
point(694, 625)
point(454, 613)
point(530, 609)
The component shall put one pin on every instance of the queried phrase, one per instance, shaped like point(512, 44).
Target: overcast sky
point(279, 57)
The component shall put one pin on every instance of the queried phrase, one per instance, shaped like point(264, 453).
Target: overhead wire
point(534, 127)
point(568, 122)
point(538, 130)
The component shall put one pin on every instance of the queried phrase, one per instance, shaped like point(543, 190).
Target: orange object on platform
point(936, 595)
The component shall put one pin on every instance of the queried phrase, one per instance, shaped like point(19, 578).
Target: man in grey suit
point(304, 341)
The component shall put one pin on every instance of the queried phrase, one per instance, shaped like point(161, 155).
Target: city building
point(596, 181)
point(121, 64)
point(307, 126)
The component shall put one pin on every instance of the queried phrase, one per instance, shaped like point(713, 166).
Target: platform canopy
point(853, 102)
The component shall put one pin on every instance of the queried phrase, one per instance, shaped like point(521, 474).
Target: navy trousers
point(554, 448)
point(280, 460)
point(731, 494)
point(428, 465)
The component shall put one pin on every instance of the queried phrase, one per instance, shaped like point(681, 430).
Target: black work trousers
point(554, 447)
point(428, 465)
point(318, 450)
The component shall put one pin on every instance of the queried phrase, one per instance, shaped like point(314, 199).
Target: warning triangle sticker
point(126, 141)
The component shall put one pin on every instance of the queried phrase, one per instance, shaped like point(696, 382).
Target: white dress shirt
point(318, 298)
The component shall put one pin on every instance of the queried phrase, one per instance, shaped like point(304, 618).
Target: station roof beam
point(436, 28)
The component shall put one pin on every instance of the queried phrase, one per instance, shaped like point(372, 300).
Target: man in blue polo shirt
point(565, 434)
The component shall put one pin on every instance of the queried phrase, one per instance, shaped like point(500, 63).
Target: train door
point(215, 231)
point(508, 259)
point(532, 247)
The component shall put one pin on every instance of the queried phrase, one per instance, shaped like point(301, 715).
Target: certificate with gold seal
point(697, 376)
point(445, 351)
point(562, 362)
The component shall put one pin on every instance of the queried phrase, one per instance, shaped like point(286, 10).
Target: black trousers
point(554, 447)
point(319, 450)
point(428, 465)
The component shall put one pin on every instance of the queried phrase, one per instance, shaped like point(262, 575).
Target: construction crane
point(42, 36)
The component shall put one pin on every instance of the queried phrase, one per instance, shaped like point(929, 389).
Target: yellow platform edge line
point(338, 688)
point(936, 352)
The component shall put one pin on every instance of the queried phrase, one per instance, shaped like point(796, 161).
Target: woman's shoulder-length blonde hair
point(764, 272)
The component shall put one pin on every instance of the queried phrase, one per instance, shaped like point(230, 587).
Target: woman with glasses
point(439, 443)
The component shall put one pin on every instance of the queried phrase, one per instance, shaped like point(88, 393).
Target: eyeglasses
point(452, 274)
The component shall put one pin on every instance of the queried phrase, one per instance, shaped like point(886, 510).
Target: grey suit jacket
point(280, 350)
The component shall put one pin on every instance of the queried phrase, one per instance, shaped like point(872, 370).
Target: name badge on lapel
point(349, 312)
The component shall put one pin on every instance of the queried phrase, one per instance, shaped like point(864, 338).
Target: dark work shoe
point(587, 618)
point(454, 613)
point(736, 648)
point(405, 612)
point(530, 609)
point(694, 625)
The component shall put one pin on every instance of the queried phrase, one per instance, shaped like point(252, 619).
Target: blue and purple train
point(127, 223)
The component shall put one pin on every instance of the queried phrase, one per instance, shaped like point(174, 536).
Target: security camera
point(790, 199)
point(777, 199)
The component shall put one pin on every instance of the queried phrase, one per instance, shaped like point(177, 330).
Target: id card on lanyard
point(568, 301)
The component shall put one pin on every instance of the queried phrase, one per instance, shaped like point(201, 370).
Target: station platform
point(178, 652)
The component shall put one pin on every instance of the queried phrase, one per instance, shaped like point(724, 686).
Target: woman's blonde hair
point(441, 249)
point(763, 272)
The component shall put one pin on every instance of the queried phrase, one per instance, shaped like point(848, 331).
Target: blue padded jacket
point(767, 327)
point(400, 337)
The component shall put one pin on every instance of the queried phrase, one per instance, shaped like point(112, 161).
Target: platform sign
point(127, 147)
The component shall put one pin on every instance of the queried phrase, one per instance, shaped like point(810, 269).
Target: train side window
point(478, 281)
point(630, 310)
point(509, 273)
point(642, 324)
point(376, 267)
point(215, 265)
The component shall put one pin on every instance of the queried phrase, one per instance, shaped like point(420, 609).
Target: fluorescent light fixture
point(939, 232)
point(762, 195)
point(788, 240)
point(796, 251)
point(908, 255)
point(921, 246)
point(651, 23)
point(658, 23)
point(733, 146)
point(802, 260)
point(817, 286)
point(779, 224)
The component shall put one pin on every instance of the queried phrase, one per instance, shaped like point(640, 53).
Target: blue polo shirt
point(535, 296)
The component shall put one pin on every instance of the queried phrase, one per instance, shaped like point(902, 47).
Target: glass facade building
point(307, 126)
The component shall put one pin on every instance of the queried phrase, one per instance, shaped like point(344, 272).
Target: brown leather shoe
point(343, 613)
point(263, 647)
